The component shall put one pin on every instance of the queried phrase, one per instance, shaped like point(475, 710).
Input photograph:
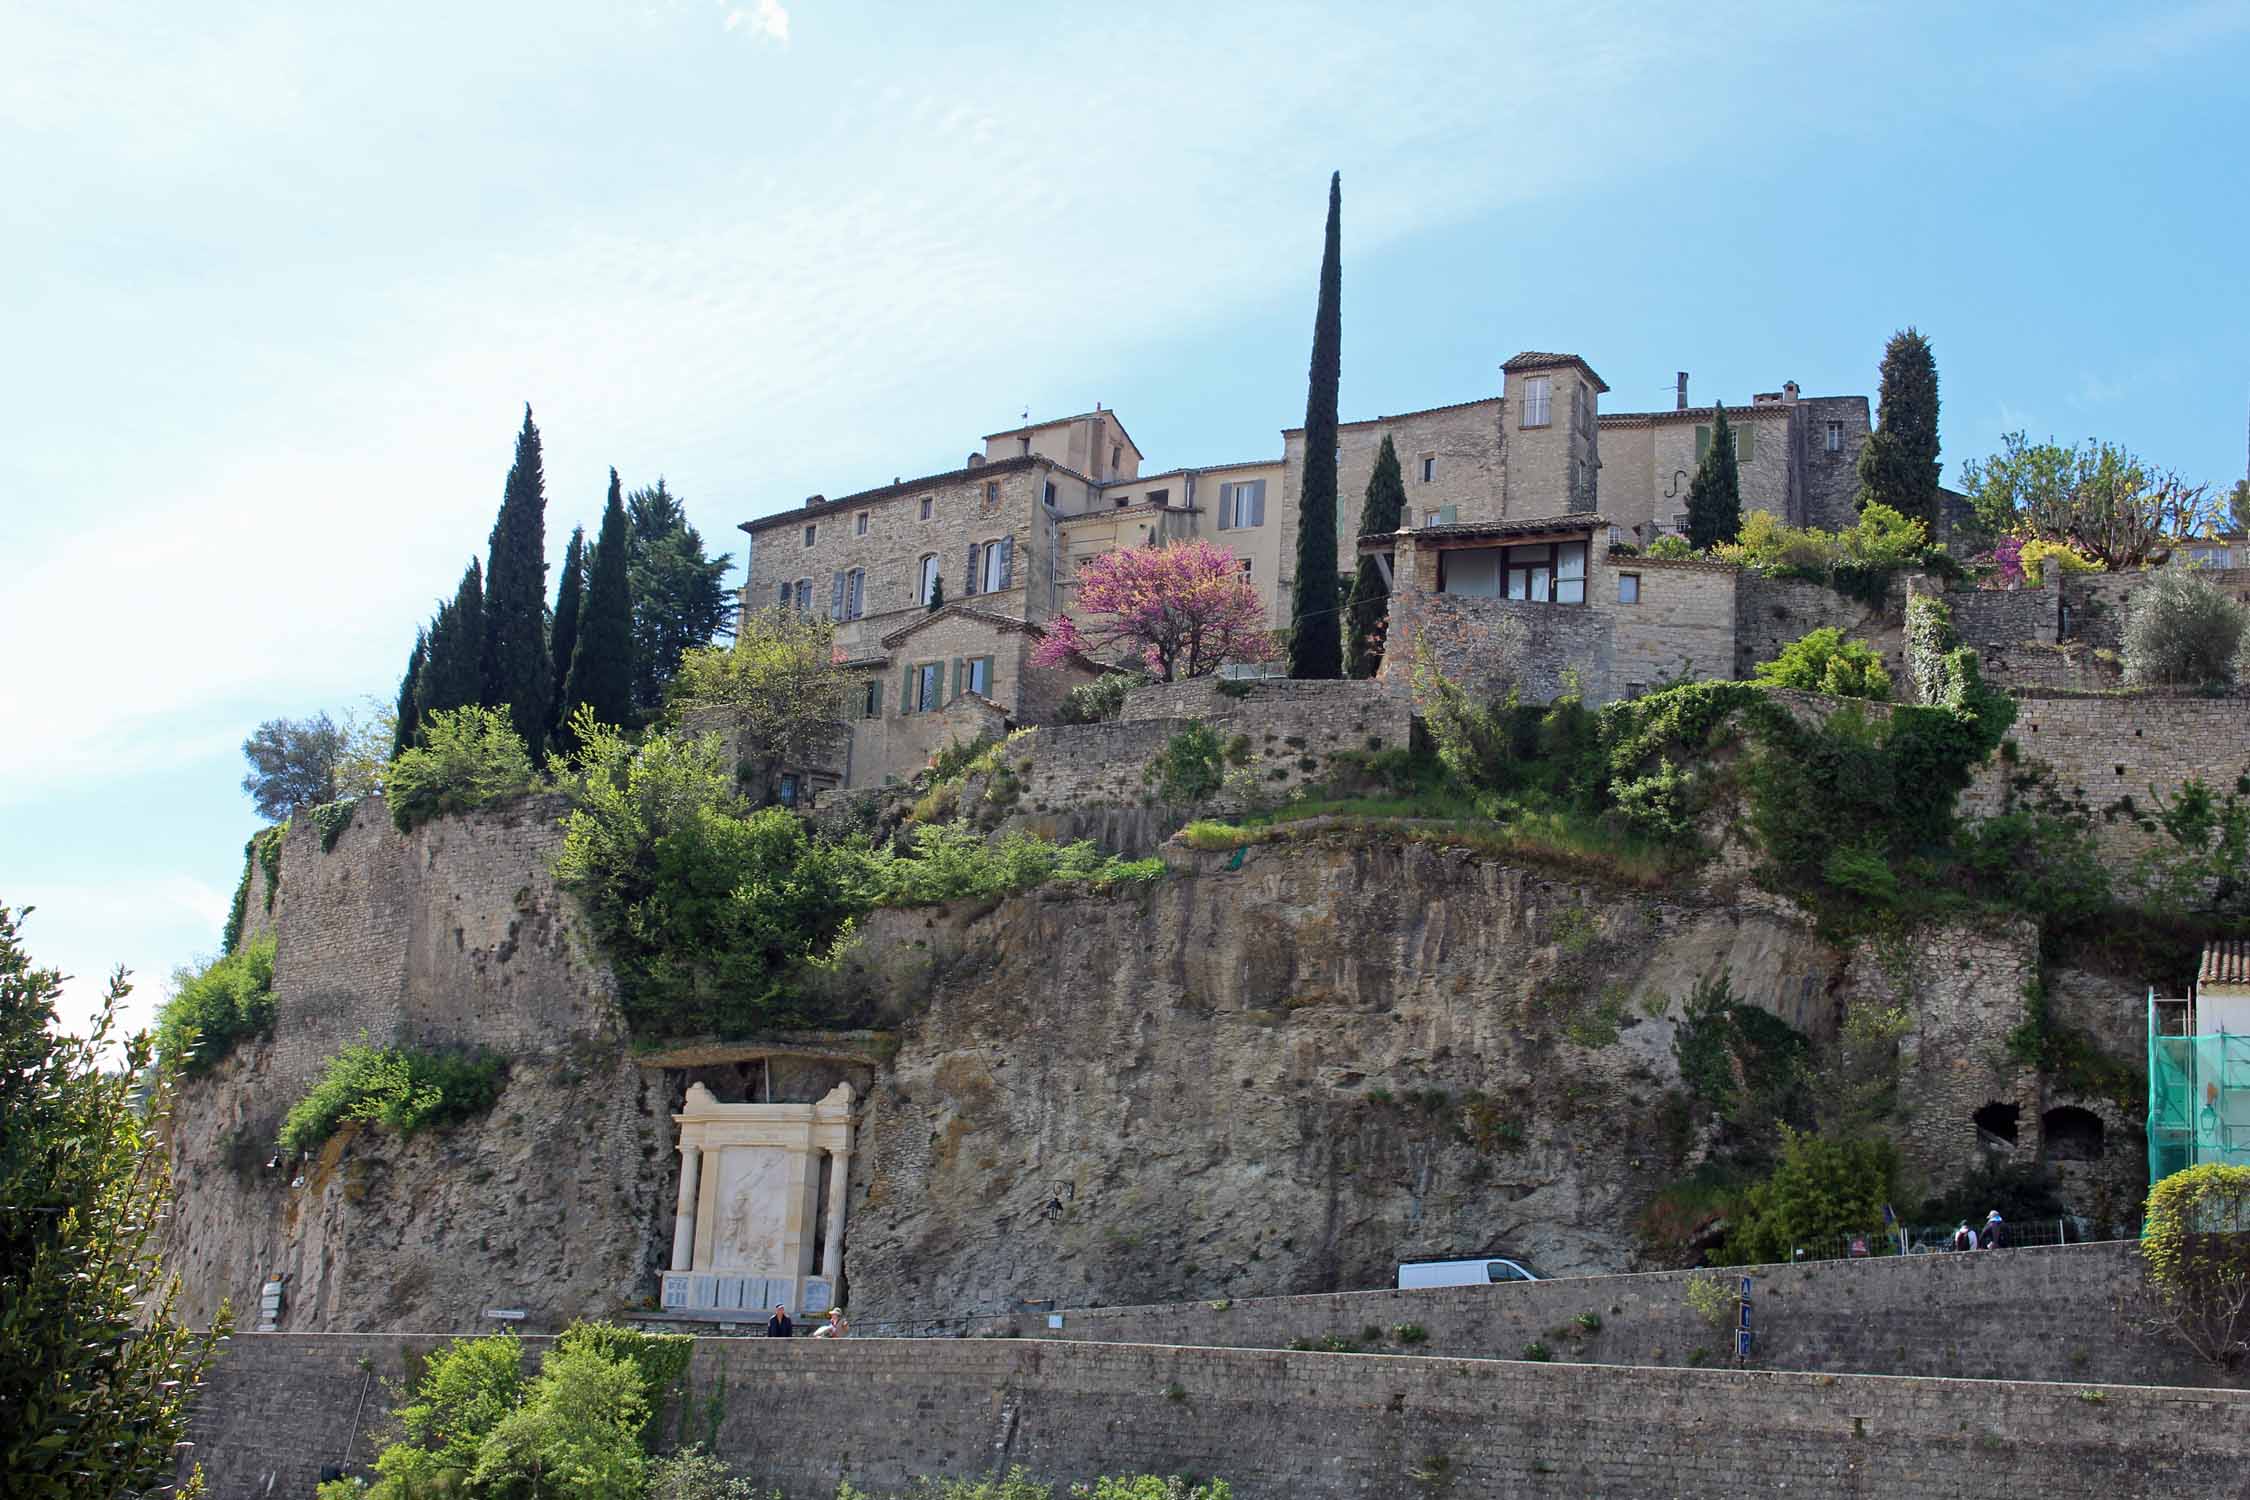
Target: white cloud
point(767, 19)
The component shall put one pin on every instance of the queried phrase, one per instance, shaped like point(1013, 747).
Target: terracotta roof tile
point(2226, 962)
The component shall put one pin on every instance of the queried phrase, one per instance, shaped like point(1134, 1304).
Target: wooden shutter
point(976, 555)
point(836, 597)
point(1226, 507)
point(1702, 442)
point(1007, 561)
point(906, 693)
point(1744, 442)
point(1257, 489)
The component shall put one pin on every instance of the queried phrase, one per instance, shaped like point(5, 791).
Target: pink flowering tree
point(1183, 610)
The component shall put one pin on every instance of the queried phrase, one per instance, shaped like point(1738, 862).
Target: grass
point(1520, 829)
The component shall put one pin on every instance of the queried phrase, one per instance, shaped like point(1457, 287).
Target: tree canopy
point(1899, 465)
point(778, 687)
point(1316, 636)
point(2096, 498)
point(1183, 609)
point(293, 763)
point(96, 1374)
point(680, 598)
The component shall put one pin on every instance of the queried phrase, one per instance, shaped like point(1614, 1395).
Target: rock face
point(1278, 1077)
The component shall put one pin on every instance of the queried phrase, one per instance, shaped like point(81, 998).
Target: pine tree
point(569, 598)
point(1899, 465)
point(680, 597)
point(1714, 497)
point(409, 717)
point(514, 669)
point(1316, 636)
point(937, 593)
point(601, 667)
point(452, 675)
point(1379, 515)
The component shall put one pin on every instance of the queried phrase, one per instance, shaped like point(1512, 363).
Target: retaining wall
point(800, 1416)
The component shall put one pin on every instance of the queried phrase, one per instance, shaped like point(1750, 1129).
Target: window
point(1535, 395)
point(929, 504)
point(991, 565)
point(787, 590)
point(1546, 573)
point(976, 675)
point(1242, 505)
point(804, 596)
point(1115, 453)
point(871, 701)
point(1745, 442)
point(1159, 497)
point(1046, 494)
point(847, 596)
point(811, 532)
point(992, 491)
point(1628, 588)
point(1429, 467)
point(1835, 437)
point(859, 524)
point(788, 789)
point(1123, 501)
point(1244, 563)
point(924, 682)
point(925, 578)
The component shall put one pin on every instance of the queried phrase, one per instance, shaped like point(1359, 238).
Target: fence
point(1937, 1239)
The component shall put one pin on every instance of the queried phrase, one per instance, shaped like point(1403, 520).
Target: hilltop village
point(1637, 903)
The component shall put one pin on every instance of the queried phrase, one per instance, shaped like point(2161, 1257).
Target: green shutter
point(874, 697)
point(1702, 442)
point(906, 692)
point(1744, 442)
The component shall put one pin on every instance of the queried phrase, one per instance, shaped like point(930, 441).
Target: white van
point(1479, 1272)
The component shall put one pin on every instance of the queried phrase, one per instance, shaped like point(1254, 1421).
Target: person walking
point(835, 1327)
point(1964, 1238)
point(1992, 1230)
point(778, 1326)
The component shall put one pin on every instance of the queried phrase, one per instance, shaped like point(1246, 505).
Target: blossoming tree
point(1183, 609)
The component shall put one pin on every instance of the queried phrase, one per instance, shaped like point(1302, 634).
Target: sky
point(277, 281)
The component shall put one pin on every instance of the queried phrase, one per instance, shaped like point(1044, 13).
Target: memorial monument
point(761, 1207)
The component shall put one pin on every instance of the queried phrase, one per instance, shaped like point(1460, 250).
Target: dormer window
point(1536, 394)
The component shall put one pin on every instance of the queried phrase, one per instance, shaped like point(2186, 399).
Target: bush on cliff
point(402, 1089)
point(1823, 661)
point(468, 757)
point(226, 1001)
point(2197, 1248)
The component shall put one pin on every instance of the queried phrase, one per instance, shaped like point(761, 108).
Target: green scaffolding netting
point(2198, 1094)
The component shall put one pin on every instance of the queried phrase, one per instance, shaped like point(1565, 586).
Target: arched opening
point(1996, 1124)
point(2071, 1133)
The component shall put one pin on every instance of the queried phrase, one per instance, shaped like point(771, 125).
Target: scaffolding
point(2198, 1091)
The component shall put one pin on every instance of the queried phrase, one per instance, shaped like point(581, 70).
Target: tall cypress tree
point(568, 599)
point(680, 596)
point(515, 669)
point(1899, 465)
point(1379, 515)
point(409, 718)
point(601, 668)
point(451, 675)
point(1316, 635)
point(1714, 497)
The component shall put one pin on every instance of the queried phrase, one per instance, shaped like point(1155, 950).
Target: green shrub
point(1820, 1191)
point(2196, 1246)
point(226, 1001)
point(1190, 767)
point(1823, 661)
point(1857, 561)
point(468, 757)
point(1744, 1064)
point(1672, 547)
point(466, 1388)
point(403, 1089)
point(1103, 698)
point(952, 861)
point(2181, 630)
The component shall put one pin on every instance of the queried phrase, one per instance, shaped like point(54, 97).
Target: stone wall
point(798, 1417)
point(1831, 480)
point(2105, 748)
point(2060, 1313)
point(2096, 603)
point(1486, 646)
point(1683, 626)
point(1771, 613)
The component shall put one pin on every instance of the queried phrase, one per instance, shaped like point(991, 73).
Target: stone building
point(1006, 532)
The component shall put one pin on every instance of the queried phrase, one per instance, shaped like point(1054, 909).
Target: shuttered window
point(1242, 505)
point(1535, 398)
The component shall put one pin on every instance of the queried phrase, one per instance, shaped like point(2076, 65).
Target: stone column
point(691, 1176)
point(832, 1248)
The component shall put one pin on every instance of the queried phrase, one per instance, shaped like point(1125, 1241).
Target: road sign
point(1742, 1341)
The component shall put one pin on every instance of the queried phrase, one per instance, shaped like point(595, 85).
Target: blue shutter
point(975, 555)
point(836, 596)
point(1007, 562)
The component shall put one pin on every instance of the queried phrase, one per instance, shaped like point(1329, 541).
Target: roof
point(1735, 414)
point(963, 610)
point(1473, 531)
point(898, 487)
point(1538, 359)
point(1403, 415)
point(1099, 411)
point(2226, 963)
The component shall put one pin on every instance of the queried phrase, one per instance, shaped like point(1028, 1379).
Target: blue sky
point(275, 282)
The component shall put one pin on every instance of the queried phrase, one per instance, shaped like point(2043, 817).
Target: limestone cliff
point(1275, 1077)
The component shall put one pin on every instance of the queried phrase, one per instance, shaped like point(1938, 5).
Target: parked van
point(1484, 1271)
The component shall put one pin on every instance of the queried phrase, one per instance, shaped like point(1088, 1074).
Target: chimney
point(1789, 390)
point(976, 461)
point(813, 500)
point(1682, 400)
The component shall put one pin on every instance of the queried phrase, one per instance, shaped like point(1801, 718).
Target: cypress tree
point(1899, 465)
point(680, 597)
point(1379, 515)
point(1714, 497)
point(568, 598)
point(601, 666)
point(1316, 635)
point(937, 593)
point(451, 674)
point(409, 719)
point(514, 668)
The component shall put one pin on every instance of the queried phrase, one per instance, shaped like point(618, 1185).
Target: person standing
point(835, 1327)
point(1992, 1230)
point(778, 1326)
